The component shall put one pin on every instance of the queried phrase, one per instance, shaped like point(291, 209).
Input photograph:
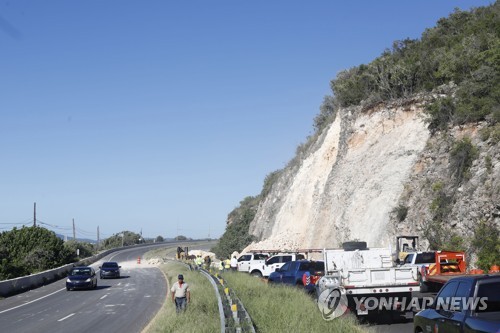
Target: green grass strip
point(202, 314)
point(283, 308)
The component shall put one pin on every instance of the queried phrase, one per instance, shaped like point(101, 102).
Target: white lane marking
point(32, 301)
point(66, 317)
point(112, 305)
point(103, 297)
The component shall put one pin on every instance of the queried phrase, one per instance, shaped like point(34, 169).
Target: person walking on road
point(181, 294)
point(234, 264)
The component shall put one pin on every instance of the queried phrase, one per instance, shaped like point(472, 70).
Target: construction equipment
point(405, 245)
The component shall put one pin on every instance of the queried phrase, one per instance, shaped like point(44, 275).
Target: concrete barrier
point(25, 283)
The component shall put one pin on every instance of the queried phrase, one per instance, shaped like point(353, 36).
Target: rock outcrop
point(364, 165)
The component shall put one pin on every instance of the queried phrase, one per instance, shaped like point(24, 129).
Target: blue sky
point(161, 116)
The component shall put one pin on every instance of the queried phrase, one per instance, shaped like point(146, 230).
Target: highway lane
point(126, 304)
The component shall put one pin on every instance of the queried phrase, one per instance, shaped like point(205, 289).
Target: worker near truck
point(234, 264)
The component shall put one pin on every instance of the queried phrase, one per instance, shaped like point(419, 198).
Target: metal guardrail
point(219, 301)
point(242, 320)
point(233, 315)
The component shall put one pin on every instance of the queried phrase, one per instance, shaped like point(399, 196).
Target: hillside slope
point(363, 167)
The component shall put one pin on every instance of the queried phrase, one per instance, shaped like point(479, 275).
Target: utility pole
point(209, 231)
point(97, 238)
point(34, 215)
point(74, 232)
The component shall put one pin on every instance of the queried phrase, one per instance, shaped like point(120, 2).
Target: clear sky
point(161, 116)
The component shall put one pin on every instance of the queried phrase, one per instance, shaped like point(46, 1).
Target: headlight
point(68, 280)
point(88, 280)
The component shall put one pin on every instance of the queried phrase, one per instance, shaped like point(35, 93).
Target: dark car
point(110, 269)
point(299, 273)
point(83, 277)
point(465, 304)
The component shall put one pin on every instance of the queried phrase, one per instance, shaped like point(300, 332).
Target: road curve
point(117, 305)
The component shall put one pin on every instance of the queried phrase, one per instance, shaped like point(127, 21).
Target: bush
point(441, 113)
point(401, 212)
point(462, 155)
point(30, 250)
point(486, 243)
point(237, 236)
point(85, 249)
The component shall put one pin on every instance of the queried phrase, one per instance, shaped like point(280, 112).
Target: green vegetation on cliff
point(463, 49)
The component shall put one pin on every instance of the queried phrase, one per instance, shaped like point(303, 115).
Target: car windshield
point(110, 265)
point(425, 258)
point(260, 256)
point(80, 271)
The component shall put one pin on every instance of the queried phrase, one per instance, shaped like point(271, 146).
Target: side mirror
point(398, 261)
point(100, 267)
point(277, 270)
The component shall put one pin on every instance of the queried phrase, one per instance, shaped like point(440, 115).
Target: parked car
point(82, 277)
point(248, 259)
point(109, 269)
point(264, 269)
point(464, 304)
point(298, 273)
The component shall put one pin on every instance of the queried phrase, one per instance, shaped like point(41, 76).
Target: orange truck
point(447, 265)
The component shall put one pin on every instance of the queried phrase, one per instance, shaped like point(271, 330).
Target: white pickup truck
point(367, 274)
point(247, 259)
point(420, 259)
point(263, 269)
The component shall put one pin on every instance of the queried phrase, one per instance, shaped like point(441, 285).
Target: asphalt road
point(117, 305)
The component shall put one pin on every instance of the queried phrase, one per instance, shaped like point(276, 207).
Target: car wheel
point(68, 288)
point(95, 286)
point(256, 274)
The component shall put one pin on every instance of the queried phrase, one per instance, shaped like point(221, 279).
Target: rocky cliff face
point(363, 166)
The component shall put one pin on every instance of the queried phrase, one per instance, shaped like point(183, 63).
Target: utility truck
point(446, 265)
point(367, 276)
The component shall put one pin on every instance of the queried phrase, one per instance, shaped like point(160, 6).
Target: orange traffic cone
point(138, 260)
